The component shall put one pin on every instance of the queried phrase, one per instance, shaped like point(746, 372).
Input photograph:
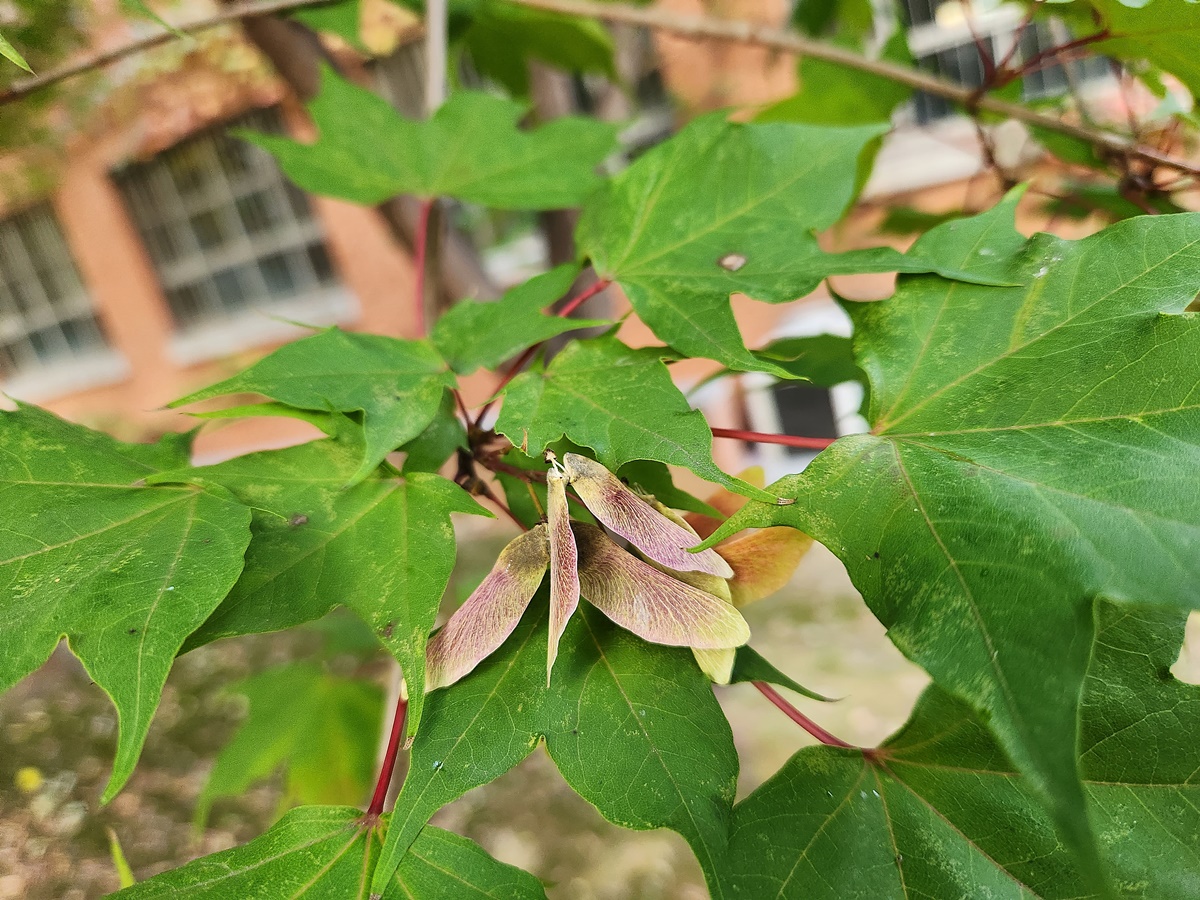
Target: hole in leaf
point(1187, 667)
point(731, 262)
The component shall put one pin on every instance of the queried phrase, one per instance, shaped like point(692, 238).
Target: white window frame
point(810, 318)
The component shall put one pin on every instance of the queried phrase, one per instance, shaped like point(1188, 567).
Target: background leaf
point(939, 811)
point(384, 548)
point(476, 334)
point(1160, 31)
point(397, 385)
point(123, 571)
point(470, 149)
point(1043, 455)
point(835, 95)
point(322, 730)
point(430, 449)
point(503, 38)
point(619, 402)
point(140, 8)
point(9, 52)
point(750, 665)
point(327, 852)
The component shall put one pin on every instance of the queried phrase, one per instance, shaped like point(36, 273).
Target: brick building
point(170, 253)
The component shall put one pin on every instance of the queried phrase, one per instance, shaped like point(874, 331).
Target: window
point(797, 408)
point(805, 410)
point(46, 317)
point(226, 232)
point(943, 41)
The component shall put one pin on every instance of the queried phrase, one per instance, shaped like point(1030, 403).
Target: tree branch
point(233, 13)
point(707, 28)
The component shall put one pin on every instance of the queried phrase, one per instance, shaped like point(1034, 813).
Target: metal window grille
point(225, 230)
point(46, 316)
point(949, 50)
point(1055, 80)
point(805, 410)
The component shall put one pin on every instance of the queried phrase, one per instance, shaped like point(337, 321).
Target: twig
point(800, 718)
point(788, 440)
point(1002, 65)
point(233, 13)
point(708, 28)
point(571, 305)
point(1054, 56)
point(389, 758)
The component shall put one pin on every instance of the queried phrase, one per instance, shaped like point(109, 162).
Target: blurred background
point(146, 251)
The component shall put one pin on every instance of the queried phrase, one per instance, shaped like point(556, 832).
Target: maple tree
point(1022, 516)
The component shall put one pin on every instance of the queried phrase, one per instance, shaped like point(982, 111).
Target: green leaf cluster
point(983, 516)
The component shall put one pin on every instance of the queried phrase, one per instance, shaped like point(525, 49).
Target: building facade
point(171, 253)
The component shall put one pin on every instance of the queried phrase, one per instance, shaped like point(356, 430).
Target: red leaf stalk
point(789, 440)
point(569, 307)
point(389, 758)
point(800, 718)
point(422, 250)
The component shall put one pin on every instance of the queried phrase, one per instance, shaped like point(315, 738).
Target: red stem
point(800, 718)
point(569, 307)
point(788, 440)
point(421, 251)
point(389, 759)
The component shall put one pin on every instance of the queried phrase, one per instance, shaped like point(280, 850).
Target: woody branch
point(696, 27)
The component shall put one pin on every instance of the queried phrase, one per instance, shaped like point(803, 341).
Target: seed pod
point(650, 603)
point(492, 611)
point(564, 563)
point(637, 521)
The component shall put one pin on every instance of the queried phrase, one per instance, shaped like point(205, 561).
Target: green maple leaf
point(327, 852)
point(471, 149)
point(397, 385)
point(122, 570)
point(620, 711)
point(384, 548)
point(321, 729)
point(939, 811)
point(619, 402)
point(1161, 31)
point(1033, 448)
point(750, 665)
point(725, 208)
point(430, 449)
point(474, 334)
point(141, 8)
